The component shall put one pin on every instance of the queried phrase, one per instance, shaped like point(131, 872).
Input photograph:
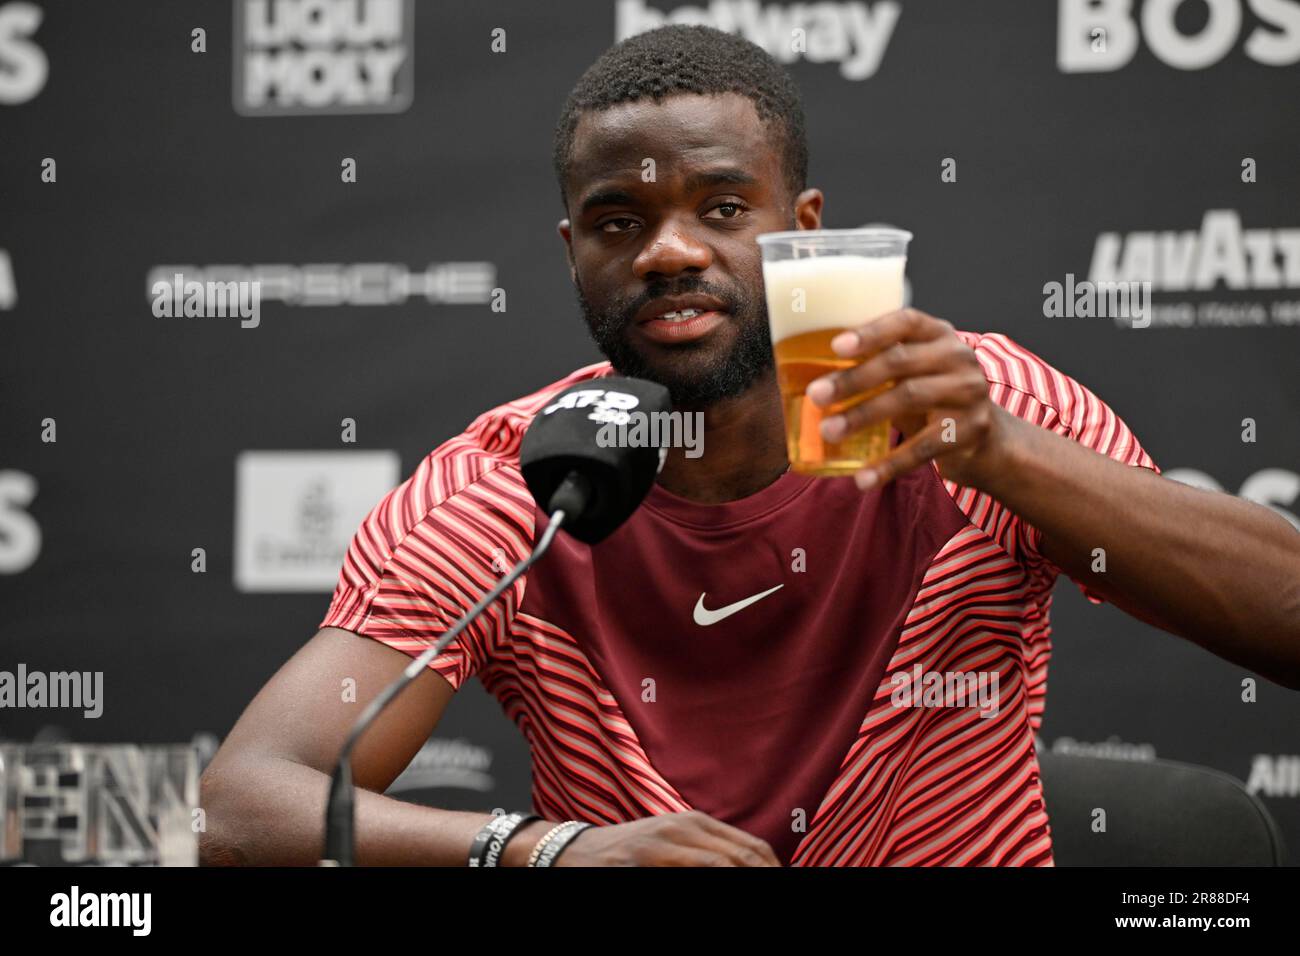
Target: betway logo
point(1221, 251)
point(1098, 36)
point(854, 35)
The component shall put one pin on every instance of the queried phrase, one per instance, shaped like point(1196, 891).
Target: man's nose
point(671, 249)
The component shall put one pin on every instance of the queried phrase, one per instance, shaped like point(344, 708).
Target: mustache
point(627, 310)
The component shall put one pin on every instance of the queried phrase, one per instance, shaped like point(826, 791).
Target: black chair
point(1158, 813)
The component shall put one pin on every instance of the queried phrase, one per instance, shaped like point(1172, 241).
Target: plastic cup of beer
point(820, 282)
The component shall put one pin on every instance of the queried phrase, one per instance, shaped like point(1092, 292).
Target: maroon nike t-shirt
point(854, 677)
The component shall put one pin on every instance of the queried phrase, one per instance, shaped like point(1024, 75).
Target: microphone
point(569, 462)
point(584, 482)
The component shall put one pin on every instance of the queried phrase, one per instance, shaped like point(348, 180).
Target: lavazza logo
point(853, 35)
point(298, 57)
point(1221, 274)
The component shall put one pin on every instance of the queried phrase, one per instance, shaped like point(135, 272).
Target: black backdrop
point(174, 434)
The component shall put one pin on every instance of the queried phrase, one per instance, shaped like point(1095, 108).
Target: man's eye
point(604, 226)
point(736, 210)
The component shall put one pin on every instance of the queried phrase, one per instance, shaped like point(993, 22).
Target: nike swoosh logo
point(704, 617)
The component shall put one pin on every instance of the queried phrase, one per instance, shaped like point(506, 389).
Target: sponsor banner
point(296, 512)
point(323, 57)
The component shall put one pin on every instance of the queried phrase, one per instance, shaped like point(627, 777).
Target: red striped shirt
point(566, 649)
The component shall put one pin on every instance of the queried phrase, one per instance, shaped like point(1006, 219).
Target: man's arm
point(264, 792)
point(1219, 571)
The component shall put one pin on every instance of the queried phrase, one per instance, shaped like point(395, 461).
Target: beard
point(696, 374)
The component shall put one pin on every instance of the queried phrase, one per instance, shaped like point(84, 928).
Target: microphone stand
point(340, 840)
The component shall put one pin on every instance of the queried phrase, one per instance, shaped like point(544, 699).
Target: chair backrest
point(1157, 813)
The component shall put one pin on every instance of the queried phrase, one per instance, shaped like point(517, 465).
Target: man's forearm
point(1217, 570)
point(269, 811)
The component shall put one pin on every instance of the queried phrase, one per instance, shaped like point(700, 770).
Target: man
point(718, 683)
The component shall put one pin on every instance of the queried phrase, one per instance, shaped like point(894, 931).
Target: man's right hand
point(690, 838)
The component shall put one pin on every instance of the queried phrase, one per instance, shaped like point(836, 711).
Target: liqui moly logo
point(295, 57)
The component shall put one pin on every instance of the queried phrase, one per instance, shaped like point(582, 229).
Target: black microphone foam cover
point(577, 431)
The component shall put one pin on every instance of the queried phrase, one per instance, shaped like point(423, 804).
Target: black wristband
point(558, 843)
point(490, 842)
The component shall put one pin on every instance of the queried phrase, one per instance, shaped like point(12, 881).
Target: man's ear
point(808, 209)
point(562, 227)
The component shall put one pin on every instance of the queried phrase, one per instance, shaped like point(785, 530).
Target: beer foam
point(823, 292)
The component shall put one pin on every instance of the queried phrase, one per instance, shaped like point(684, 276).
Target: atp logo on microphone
point(607, 406)
point(622, 427)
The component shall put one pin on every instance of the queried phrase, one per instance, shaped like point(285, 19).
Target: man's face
point(666, 200)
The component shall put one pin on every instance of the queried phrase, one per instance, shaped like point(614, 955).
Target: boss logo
point(1099, 36)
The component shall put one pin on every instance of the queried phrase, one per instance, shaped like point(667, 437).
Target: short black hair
point(682, 58)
